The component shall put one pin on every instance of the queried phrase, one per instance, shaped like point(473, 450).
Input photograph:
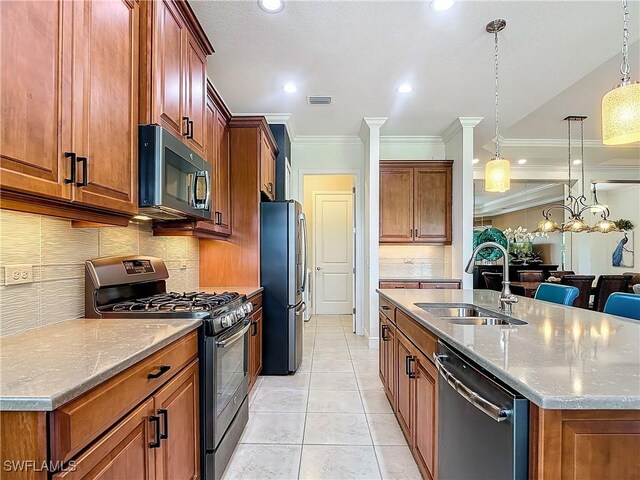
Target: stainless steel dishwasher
point(483, 424)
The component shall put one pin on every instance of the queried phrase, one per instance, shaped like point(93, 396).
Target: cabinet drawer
point(440, 285)
point(387, 309)
point(256, 301)
point(76, 424)
point(399, 285)
point(421, 338)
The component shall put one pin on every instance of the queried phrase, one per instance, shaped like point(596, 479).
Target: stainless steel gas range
point(135, 287)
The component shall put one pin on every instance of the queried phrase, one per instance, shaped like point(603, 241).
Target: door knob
point(318, 268)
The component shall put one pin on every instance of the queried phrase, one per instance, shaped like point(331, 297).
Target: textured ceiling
point(358, 52)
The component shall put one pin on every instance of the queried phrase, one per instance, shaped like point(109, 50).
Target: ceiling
point(360, 51)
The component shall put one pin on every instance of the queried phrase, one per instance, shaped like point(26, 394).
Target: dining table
point(524, 289)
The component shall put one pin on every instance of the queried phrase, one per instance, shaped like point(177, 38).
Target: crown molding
point(327, 140)
point(411, 139)
point(374, 122)
point(457, 125)
point(285, 119)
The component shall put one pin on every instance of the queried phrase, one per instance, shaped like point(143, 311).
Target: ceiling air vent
point(319, 100)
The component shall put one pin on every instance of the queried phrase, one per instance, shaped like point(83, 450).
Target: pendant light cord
point(569, 155)
point(625, 69)
point(497, 85)
point(582, 152)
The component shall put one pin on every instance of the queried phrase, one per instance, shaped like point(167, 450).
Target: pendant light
point(621, 106)
point(576, 205)
point(498, 170)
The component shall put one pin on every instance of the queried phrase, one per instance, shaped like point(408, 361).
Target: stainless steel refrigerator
point(283, 261)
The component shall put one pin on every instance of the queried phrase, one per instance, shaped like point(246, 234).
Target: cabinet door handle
point(415, 235)
point(407, 366)
point(189, 128)
point(270, 187)
point(384, 332)
point(165, 424)
point(156, 420)
point(411, 232)
point(186, 122)
point(85, 180)
point(161, 371)
point(385, 307)
point(72, 156)
point(255, 329)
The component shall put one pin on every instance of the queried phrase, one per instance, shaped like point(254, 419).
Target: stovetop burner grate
point(175, 302)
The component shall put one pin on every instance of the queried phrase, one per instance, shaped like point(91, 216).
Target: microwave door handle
point(207, 179)
point(194, 182)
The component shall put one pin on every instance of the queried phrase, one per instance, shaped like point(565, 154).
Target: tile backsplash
point(412, 261)
point(57, 253)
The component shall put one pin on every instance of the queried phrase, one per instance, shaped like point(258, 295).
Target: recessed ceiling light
point(476, 160)
point(441, 5)
point(271, 6)
point(404, 88)
point(577, 161)
point(522, 161)
point(290, 87)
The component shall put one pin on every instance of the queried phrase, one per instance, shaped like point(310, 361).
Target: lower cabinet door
point(391, 386)
point(405, 366)
point(177, 407)
point(123, 452)
point(426, 419)
point(255, 346)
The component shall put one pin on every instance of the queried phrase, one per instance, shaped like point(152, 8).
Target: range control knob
point(248, 307)
point(226, 321)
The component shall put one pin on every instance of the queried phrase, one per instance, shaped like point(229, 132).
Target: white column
point(458, 141)
point(370, 135)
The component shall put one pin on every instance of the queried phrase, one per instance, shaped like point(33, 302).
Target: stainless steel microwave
point(174, 181)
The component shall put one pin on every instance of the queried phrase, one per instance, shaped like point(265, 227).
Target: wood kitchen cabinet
point(267, 166)
point(404, 369)
point(174, 50)
point(415, 202)
point(255, 347)
point(426, 416)
point(142, 423)
point(85, 169)
point(387, 358)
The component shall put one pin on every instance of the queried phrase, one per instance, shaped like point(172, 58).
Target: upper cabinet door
point(396, 205)
point(223, 176)
point(106, 129)
point(432, 208)
point(267, 168)
point(196, 94)
point(35, 96)
point(170, 81)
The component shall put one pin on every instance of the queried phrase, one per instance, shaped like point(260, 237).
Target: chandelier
point(497, 171)
point(621, 106)
point(576, 205)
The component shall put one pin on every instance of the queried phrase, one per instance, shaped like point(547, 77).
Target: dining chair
point(606, 285)
point(635, 280)
point(623, 305)
point(493, 280)
point(531, 275)
point(561, 273)
point(562, 294)
point(584, 283)
point(636, 289)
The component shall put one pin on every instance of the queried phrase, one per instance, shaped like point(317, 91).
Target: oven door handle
point(235, 337)
point(485, 406)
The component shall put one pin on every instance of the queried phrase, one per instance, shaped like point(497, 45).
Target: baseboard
point(374, 342)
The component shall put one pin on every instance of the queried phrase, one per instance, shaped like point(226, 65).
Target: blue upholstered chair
point(623, 305)
point(562, 294)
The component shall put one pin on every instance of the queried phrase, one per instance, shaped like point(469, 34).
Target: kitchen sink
point(467, 314)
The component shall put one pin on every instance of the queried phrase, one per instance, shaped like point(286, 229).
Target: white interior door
point(333, 248)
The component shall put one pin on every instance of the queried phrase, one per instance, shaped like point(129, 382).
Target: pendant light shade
point(621, 106)
point(497, 175)
point(621, 115)
point(604, 226)
point(576, 225)
point(547, 226)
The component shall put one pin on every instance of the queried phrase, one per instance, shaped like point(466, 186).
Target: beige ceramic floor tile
point(336, 429)
point(334, 401)
point(299, 381)
point(375, 401)
point(333, 381)
point(264, 462)
point(396, 463)
point(280, 401)
point(269, 427)
point(385, 429)
point(369, 381)
point(328, 462)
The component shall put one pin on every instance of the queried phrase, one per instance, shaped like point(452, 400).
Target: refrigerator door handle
point(301, 308)
point(303, 222)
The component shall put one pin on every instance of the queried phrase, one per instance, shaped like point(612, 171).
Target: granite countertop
point(44, 368)
point(248, 291)
point(564, 358)
point(420, 279)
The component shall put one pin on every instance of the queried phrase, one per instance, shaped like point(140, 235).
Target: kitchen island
point(579, 369)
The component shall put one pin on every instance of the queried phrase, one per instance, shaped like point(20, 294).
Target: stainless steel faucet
point(506, 297)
